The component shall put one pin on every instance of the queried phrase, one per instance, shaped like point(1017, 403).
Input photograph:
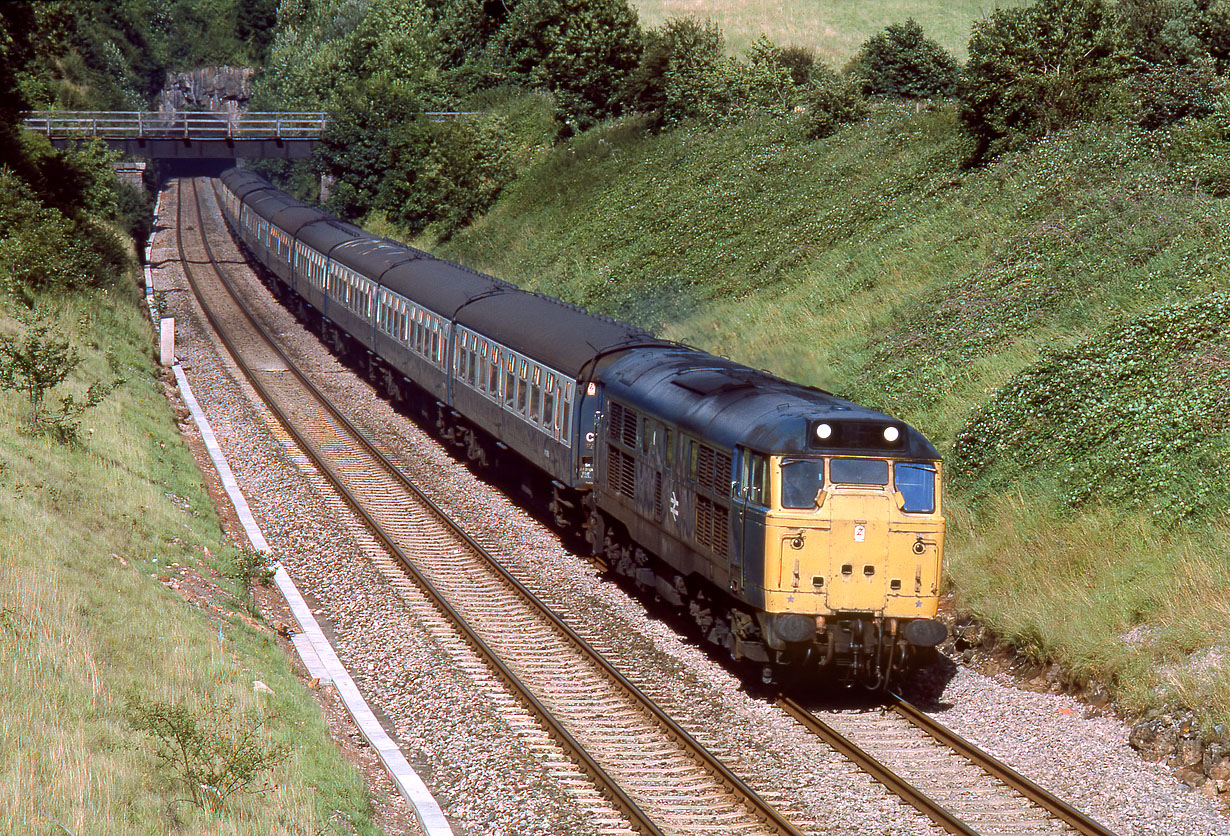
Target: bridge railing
point(64, 124)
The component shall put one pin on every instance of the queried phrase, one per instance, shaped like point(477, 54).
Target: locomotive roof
point(728, 404)
point(563, 336)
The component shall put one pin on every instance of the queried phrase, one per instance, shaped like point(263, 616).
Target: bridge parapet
point(121, 125)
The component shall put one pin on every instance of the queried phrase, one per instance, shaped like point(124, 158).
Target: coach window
point(536, 396)
point(565, 412)
point(522, 385)
point(436, 355)
point(461, 356)
point(549, 418)
point(510, 380)
point(493, 384)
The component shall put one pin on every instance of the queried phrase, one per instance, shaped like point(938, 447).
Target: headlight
point(891, 434)
point(823, 431)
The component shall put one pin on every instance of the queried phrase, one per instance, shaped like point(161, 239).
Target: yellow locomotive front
point(852, 545)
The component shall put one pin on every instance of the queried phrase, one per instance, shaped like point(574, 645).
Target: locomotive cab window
point(858, 471)
point(753, 478)
point(916, 482)
point(802, 480)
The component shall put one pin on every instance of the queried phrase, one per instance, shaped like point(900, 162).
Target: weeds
point(38, 362)
point(252, 568)
point(214, 753)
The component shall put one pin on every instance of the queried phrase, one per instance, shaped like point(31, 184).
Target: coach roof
point(560, 335)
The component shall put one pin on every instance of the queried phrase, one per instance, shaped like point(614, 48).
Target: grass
point(86, 533)
point(1056, 322)
point(834, 30)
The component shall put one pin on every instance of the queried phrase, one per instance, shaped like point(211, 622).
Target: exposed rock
point(217, 89)
point(1157, 739)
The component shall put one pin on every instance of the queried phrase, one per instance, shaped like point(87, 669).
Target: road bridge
point(183, 135)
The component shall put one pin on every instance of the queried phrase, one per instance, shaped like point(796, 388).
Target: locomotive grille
point(657, 496)
point(620, 471)
point(704, 466)
point(711, 522)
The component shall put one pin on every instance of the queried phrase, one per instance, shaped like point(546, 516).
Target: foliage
point(358, 141)
point(1034, 70)
point(828, 103)
point(1200, 150)
point(1173, 33)
point(901, 61)
point(682, 74)
point(36, 363)
point(1166, 94)
point(582, 51)
point(444, 174)
point(42, 250)
point(215, 753)
point(252, 568)
point(1139, 415)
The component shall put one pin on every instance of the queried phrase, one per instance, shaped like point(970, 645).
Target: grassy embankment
point(1059, 324)
point(834, 30)
point(86, 534)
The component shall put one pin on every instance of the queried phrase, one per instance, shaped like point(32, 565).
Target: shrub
point(901, 61)
point(763, 84)
point(830, 102)
point(682, 75)
point(34, 364)
point(42, 249)
point(1034, 70)
point(1166, 94)
point(442, 175)
point(214, 753)
point(582, 51)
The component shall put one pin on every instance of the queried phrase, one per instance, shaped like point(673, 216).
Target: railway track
point(660, 776)
point(651, 768)
point(963, 789)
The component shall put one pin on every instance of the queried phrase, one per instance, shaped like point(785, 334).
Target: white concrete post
point(166, 345)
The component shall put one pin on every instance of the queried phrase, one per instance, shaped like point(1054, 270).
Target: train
point(799, 532)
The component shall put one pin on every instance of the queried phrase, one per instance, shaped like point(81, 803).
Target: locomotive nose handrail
point(68, 124)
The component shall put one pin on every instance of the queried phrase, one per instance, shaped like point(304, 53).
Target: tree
point(683, 74)
point(1034, 70)
point(901, 61)
point(582, 51)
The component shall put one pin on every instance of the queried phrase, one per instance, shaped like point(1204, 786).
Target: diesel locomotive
point(800, 531)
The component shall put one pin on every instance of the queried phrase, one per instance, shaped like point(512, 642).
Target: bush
point(901, 62)
point(830, 102)
point(34, 364)
point(1034, 70)
point(214, 753)
point(442, 175)
point(1167, 94)
point(582, 51)
point(682, 74)
point(43, 250)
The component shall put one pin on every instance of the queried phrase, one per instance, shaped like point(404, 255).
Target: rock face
point(217, 89)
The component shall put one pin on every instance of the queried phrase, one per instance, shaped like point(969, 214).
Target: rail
point(200, 125)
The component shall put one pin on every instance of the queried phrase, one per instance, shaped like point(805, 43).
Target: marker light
point(823, 431)
point(891, 434)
